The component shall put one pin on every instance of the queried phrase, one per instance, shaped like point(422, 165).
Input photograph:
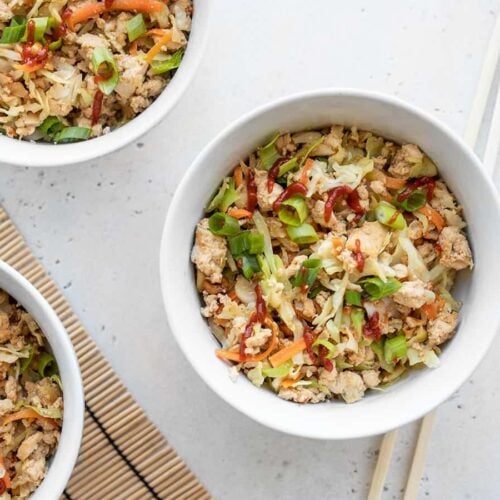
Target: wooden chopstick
point(383, 463)
point(490, 159)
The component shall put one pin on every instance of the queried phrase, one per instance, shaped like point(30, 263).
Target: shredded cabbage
point(261, 226)
point(255, 374)
point(416, 265)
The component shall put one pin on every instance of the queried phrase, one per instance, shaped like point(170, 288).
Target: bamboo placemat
point(123, 455)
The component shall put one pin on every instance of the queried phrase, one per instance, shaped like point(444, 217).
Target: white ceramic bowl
point(62, 462)
point(32, 154)
point(422, 390)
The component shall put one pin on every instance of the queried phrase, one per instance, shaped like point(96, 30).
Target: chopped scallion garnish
point(307, 273)
point(293, 211)
point(246, 242)
point(249, 265)
point(278, 372)
point(47, 365)
point(223, 225)
point(41, 26)
point(352, 298)
point(415, 201)
point(50, 127)
point(106, 69)
point(325, 343)
point(173, 62)
point(136, 27)
point(72, 134)
point(302, 235)
point(268, 154)
point(378, 289)
point(390, 216)
point(395, 349)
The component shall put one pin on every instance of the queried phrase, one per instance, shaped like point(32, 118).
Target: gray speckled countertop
point(97, 229)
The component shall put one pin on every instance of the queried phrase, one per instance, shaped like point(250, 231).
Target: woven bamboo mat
point(123, 455)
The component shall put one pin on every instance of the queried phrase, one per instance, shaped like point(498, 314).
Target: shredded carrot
point(238, 177)
point(430, 310)
point(338, 244)
point(156, 32)
point(133, 48)
point(434, 216)
point(288, 382)
point(239, 213)
point(27, 68)
point(232, 295)
point(304, 176)
point(92, 9)
point(235, 356)
point(25, 413)
point(288, 352)
point(156, 48)
point(220, 322)
point(393, 183)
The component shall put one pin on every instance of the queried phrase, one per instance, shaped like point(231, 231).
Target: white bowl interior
point(422, 390)
point(32, 154)
point(62, 462)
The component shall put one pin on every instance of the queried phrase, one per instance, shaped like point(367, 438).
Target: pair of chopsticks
point(489, 161)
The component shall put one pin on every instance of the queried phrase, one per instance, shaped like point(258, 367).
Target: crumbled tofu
point(264, 197)
point(350, 386)
point(405, 158)
point(209, 252)
point(413, 294)
point(441, 329)
point(372, 237)
point(455, 250)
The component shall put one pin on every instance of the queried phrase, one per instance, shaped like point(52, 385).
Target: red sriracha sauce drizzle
point(108, 4)
point(251, 191)
point(259, 316)
point(34, 54)
point(97, 106)
point(338, 193)
point(426, 182)
point(291, 190)
point(273, 173)
point(358, 256)
point(372, 328)
point(321, 358)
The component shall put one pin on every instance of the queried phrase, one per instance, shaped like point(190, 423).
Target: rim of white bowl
point(178, 201)
point(63, 460)
point(32, 154)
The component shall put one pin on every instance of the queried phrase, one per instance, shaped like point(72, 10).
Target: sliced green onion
point(249, 265)
point(72, 134)
point(250, 242)
point(18, 21)
point(50, 127)
point(278, 372)
point(325, 343)
point(415, 201)
point(374, 146)
point(377, 289)
point(223, 225)
point(268, 154)
point(264, 266)
point(229, 197)
point(41, 25)
point(307, 273)
point(426, 168)
point(55, 45)
point(302, 235)
point(12, 34)
point(357, 319)
point(395, 349)
point(289, 165)
point(173, 62)
point(378, 349)
point(389, 216)
point(26, 362)
point(352, 298)
point(105, 66)
point(304, 153)
point(47, 365)
point(136, 27)
point(217, 199)
point(293, 211)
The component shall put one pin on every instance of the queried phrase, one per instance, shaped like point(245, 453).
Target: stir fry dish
point(71, 70)
point(325, 264)
point(31, 401)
